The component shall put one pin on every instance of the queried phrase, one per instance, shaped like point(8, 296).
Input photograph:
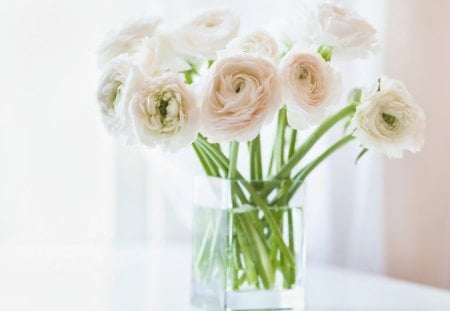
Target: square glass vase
point(248, 245)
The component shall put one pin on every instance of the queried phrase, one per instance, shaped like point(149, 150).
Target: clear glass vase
point(248, 245)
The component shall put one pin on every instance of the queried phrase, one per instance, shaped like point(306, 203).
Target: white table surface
point(136, 279)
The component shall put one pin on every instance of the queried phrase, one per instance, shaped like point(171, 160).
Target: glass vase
point(248, 245)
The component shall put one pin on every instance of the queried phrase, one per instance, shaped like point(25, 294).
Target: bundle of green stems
point(262, 244)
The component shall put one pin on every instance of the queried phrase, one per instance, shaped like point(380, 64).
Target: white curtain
point(417, 188)
point(56, 162)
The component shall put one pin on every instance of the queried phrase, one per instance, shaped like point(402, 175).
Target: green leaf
point(355, 96)
point(360, 155)
point(326, 51)
point(347, 125)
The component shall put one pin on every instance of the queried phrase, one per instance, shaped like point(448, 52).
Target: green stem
point(251, 151)
point(292, 271)
point(222, 160)
point(275, 154)
point(312, 139)
point(237, 262)
point(304, 172)
point(258, 158)
point(271, 221)
point(282, 123)
point(250, 269)
point(234, 150)
point(269, 170)
point(255, 159)
point(313, 164)
point(292, 143)
point(260, 252)
point(206, 162)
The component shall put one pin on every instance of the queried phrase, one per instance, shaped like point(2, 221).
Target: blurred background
point(65, 183)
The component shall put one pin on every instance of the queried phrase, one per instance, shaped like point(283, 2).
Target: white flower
point(157, 54)
point(388, 120)
point(240, 94)
point(114, 92)
point(311, 86)
point(329, 24)
point(164, 112)
point(260, 42)
point(207, 32)
point(127, 38)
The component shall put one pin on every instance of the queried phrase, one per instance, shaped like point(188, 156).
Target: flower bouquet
point(201, 83)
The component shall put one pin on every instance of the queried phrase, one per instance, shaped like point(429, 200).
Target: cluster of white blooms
point(162, 87)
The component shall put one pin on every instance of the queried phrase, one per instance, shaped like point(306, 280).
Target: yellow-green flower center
point(389, 119)
point(166, 114)
point(114, 95)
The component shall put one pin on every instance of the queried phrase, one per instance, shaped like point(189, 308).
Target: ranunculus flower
point(311, 86)
point(329, 24)
point(127, 38)
point(164, 112)
point(260, 42)
point(388, 119)
point(207, 32)
point(114, 92)
point(240, 94)
point(156, 54)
